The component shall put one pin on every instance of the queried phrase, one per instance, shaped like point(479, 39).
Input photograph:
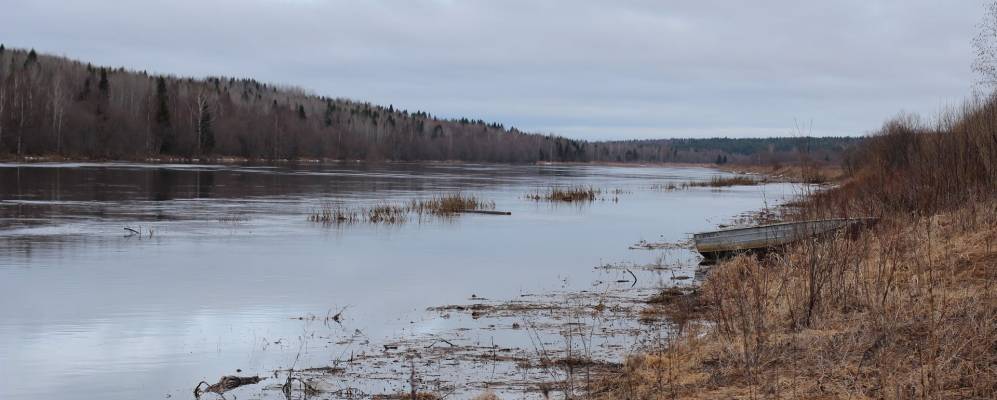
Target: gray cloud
point(587, 69)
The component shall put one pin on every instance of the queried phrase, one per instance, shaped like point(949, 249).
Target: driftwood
point(485, 212)
point(225, 384)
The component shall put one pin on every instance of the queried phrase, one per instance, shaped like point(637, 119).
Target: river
point(227, 272)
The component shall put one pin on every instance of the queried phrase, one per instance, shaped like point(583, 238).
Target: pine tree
point(207, 132)
point(85, 93)
point(103, 85)
point(32, 58)
point(162, 104)
point(329, 112)
point(301, 112)
point(163, 117)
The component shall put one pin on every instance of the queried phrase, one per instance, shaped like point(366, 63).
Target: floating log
point(485, 212)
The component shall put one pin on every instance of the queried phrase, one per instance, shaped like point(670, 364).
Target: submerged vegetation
point(442, 205)
point(725, 181)
point(715, 182)
point(568, 194)
point(450, 204)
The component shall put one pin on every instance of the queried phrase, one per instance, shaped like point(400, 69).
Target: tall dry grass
point(904, 309)
point(444, 205)
point(566, 194)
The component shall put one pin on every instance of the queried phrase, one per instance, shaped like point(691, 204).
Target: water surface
point(232, 261)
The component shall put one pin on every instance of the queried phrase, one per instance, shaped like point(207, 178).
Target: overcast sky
point(580, 68)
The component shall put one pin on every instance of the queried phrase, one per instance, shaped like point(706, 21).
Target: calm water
point(86, 312)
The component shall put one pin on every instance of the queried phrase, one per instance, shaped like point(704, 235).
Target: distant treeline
point(831, 149)
point(53, 106)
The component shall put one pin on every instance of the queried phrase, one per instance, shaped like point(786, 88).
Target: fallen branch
point(441, 340)
point(489, 212)
point(225, 384)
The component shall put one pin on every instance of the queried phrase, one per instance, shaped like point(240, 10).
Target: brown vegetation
point(443, 205)
point(803, 172)
point(725, 181)
point(450, 204)
point(571, 194)
point(906, 309)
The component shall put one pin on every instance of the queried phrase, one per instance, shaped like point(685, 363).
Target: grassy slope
point(905, 309)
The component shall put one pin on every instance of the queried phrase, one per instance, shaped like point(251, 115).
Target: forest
point(58, 107)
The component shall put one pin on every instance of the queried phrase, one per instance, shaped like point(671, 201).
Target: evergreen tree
point(207, 131)
point(329, 111)
point(32, 58)
point(162, 103)
point(103, 85)
point(163, 117)
point(85, 93)
point(301, 112)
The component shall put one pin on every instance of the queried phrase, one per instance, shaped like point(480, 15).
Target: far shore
point(795, 172)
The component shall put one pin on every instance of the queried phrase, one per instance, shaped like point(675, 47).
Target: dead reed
point(449, 204)
point(726, 181)
point(441, 205)
point(566, 194)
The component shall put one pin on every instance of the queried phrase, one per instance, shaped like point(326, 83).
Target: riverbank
point(905, 309)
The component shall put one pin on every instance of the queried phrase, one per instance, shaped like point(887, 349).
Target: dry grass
point(450, 204)
point(568, 195)
point(725, 181)
point(442, 205)
point(335, 215)
point(803, 172)
point(905, 309)
point(715, 182)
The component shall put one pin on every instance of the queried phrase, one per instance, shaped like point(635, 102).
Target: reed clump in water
point(725, 181)
point(387, 214)
point(568, 194)
point(450, 204)
point(442, 205)
point(334, 215)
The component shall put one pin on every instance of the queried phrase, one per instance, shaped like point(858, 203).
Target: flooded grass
point(450, 204)
point(441, 205)
point(568, 195)
point(714, 182)
point(387, 214)
point(335, 215)
point(725, 181)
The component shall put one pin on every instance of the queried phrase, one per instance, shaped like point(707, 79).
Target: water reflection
point(86, 312)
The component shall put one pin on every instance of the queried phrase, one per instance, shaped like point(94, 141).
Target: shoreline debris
point(225, 384)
